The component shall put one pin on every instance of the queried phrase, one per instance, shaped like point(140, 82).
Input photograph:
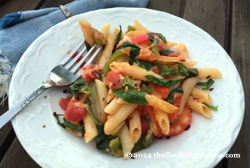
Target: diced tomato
point(142, 110)
point(163, 91)
point(174, 54)
point(140, 39)
point(89, 72)
point(75, 111)
point(155, 69)
point(165, 77)
point(155, 125)
point(114, 80)
point(177, 104)
point(63, 103)
point(144, 126)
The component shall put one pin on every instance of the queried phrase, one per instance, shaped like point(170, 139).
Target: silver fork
point(65, 73)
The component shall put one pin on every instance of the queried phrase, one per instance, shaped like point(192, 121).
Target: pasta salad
point(139, 87)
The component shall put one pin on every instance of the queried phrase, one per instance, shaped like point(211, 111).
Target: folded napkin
point(18, 30)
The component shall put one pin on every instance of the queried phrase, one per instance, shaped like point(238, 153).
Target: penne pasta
point(163, 121)
point(90, 128)
point(138, 26)
point(87, 30)
point(199, 107)
point(160, 104)
point(182, 49)
point(126, 141)
point(105, 30)
point(107, 52)
point(209, 72)
point(122, 58)
point(190, 63)
point(101, 92)
point(113, 106)
point(135, 33)
point(116, 31)
point(135, 72)
point(135, 126)
point(110, 96)
point(202, 95)
point(169, 45)
point(121, 101)
point(154, 92)
point(115, 120)
point(187, 86)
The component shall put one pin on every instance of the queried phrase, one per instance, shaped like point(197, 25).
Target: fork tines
point(82, 59)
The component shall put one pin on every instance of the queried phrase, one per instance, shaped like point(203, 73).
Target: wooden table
point(227, 21)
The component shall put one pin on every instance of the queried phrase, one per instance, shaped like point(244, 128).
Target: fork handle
point(6, 117)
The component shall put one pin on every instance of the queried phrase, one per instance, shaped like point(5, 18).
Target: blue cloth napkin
point(18, 30)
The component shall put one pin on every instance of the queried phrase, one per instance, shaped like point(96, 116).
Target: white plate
point(54, 147)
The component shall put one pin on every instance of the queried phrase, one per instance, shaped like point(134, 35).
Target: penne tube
point(121, 101)
point(190, 63)
point(135, 126)
point(209, 72)
point(133, 71)
point(122, 58)
point(101, 93)
point(160, 104)
point(202, 95)
point(90, 128)
point(163, 120)
point(199, 107)
point(182, 49)
point(126, 141)
point(105, 30)
point(115, 120)
point(169, 45)
point(108, 50)
point(135, 33)
point(113, 106)
point(87, 30)
point(154, 92)
point(138, 26)
point(110, 96)
point(187, 86)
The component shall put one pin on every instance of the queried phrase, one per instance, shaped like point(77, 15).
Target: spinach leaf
point(170, 100)
point(212, 107)
point(162, 82)
point(89, 109)
point(76, 128)
point(135, 50)
point(169, 63)
point(155, 50)
point(169, 71)
point(103, 140)
point(146, 89)
point(207, 84)
point(87, 45)
point(162, 37)
point(100, 76)
point(138, 146)
point(118, 38)
point(131, 28)
point(76, 86)
point(132, 96)
point(87, 102)
point(126, 81)
point(184, 71)
point(151, 37)
point(165, 51)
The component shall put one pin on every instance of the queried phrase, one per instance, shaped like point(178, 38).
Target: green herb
point(138, 145)
point(162, 82)
point(169, 71)
point(126, 81)
point(169, 63)
point(162, 37)
point(77, 86)
point(92, 115)
point(103, 140)
point(87, 102)
point(131, 28)
point(118, 38)
point(155, 50)
point(87, 45)
point(134, 52)
point(146, 89)
point(212, 107)
point(100, 76)
point(184, 71)
point(165, 51)
point(131, 96)
point(112, 58)
point(85, 90)
point(207, 84)
point(170, 100)
point(67, 124)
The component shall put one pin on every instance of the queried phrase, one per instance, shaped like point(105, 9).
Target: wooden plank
point(11, 6)
point(170, 6)
point(17, 157)
point(211, 16)
point(239, 51)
